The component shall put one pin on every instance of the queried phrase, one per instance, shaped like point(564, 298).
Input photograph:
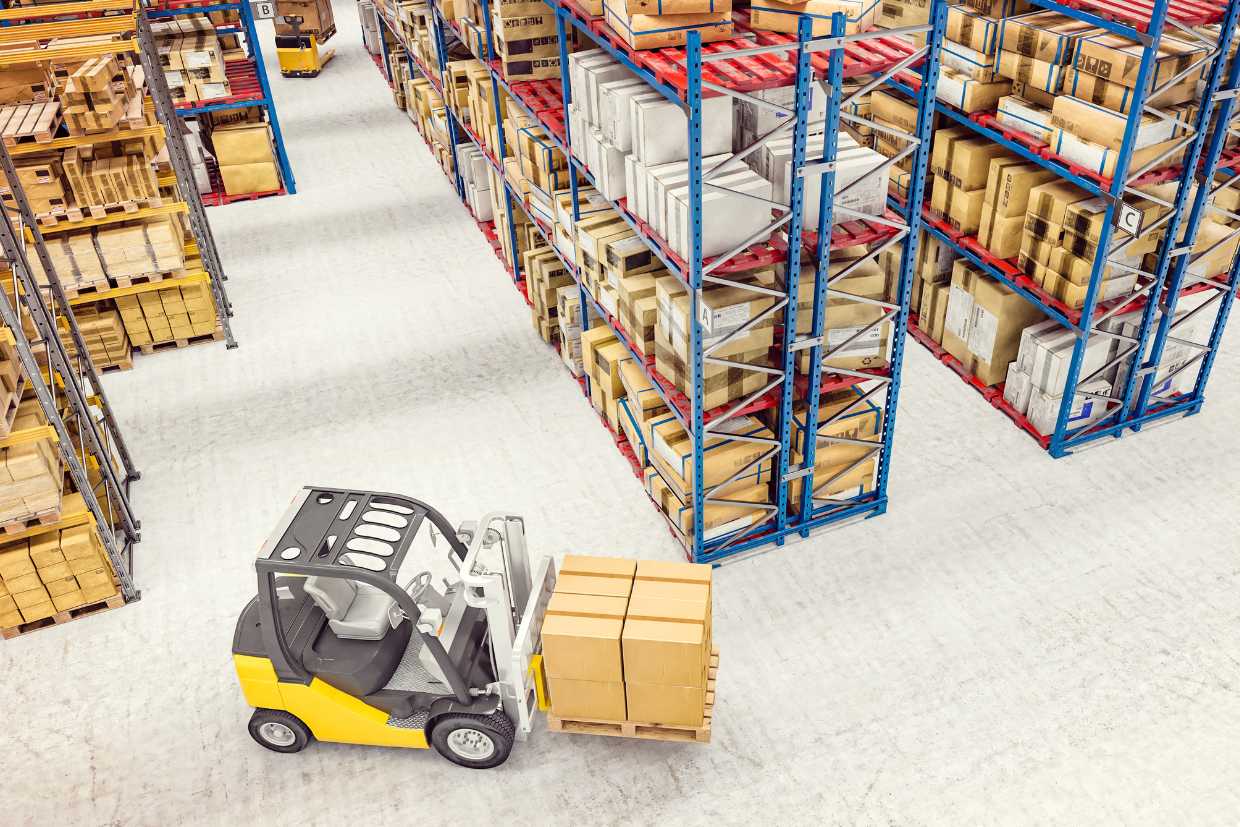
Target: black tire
point(279, 731)
point(478, 742)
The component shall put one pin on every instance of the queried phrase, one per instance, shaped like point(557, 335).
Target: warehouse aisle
point(1018, 641)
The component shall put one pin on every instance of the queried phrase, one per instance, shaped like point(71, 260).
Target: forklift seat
point(355, 611)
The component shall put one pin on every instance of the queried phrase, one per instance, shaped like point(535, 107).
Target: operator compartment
point(364, 598)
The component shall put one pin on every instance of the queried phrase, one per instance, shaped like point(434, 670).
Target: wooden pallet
point(113, 602)
point(147, 278)
point(30, 123)
point(46, 517)
point(173, 344)
point(647, 731)
point(117, 366)
point(12, 401)
point(74, 214)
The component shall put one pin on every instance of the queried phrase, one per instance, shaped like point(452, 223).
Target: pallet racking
point(247, 81)
point(70, 394)
point(751, 62)
point(120, 20)
point(1145, 391)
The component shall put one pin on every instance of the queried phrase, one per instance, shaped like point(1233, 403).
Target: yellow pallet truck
point(301, 55)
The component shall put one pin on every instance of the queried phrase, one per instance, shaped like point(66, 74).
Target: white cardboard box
point(661, 129)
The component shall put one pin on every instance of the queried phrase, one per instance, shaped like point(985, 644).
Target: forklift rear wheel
point(475, 741)
point(278, 731)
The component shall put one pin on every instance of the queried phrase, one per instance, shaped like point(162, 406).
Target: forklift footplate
point(415, 721)
point(651, 732)
point(300, 74)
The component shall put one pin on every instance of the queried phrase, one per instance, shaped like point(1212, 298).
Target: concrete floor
point(1018, 641)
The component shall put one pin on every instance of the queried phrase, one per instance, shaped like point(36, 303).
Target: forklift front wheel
point(478, 742)
point(278, 731)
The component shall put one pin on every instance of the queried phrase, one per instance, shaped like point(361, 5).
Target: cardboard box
point(960, 208)
point(646, 31)
point(1118, 97)
point(933, 313)
point(663, 704)
point(575, 698)
point(1009, 183)
point(1102, 160)
point(582, 634)
point(967, 62)
point(969, 95)
point(1105, 127)
point(1118, 60)
point(777, 16)
point(963, 158)
point(984, 323)
point(1037, 74)
point(970, 28)
point(1025, 116)
point(240, 179)
point(666, 652)
point(1047, 36)
point(1000, 234)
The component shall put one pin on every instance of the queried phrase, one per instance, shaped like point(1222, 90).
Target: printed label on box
point(869, 343)
point(959, 313)
point(985, 328)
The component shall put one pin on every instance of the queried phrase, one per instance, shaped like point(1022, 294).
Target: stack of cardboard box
point(968, 77)
point(169, 314)
point(104, 333)
point(856, 338)
point(31, 474)
point(246, 157)
point(53, 572)
point(1060, 243)
point(316, 18)
point(568, 326)
point(41, 178)
point(960, 164)
point(525, 39)
point(1089, 132)
point(96, 95)
point(640, 405)
point(629, 641)
point(192, 57)
point(931, 276)
point(545, 276)
point(658, 24)
point(984, 323)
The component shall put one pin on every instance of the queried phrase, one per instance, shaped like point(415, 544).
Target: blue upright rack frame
point(1157, 293)
point(263, 100)
point(915, 75)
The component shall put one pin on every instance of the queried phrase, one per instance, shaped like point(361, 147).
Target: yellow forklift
point(301, 55)
point(377, 622)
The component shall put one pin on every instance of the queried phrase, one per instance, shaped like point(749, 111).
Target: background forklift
point(301, 55)
point(334, 648)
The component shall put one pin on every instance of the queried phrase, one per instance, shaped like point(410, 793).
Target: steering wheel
point(418, 584)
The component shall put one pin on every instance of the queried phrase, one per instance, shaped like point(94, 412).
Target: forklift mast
point(515, 601)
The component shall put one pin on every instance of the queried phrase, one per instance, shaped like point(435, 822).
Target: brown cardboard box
point(574, 698)
point(1009, 183)
point(674, 572)
point(648, 31)
point(56, 571)
point(890, 108)
point(670, 652)
point(1035, 74)
point(1103, 126)
point(934, 309)
point(663, 704)
point(240, 179)
point(581, 635)
point(671, 451)
point(961, 209)
point(973, 29)
point(27, 582)
point(103, 591)
point(779, 16)
point(1118, 59)
point(718, 519)
point(38, 611)
point(68, 600)
point(28, 598)
point(969, 95)
point(1050, 201)
point(984, 323)
point(15, 560)
point(55, 588)
point(1044, 35)
point(94, 578)
point(1000, 234)
point(1119, 97)
point(963, 159)
point(316, 16)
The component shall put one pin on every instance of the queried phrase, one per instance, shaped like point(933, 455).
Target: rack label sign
point(1129, 219)
point(263, 9)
